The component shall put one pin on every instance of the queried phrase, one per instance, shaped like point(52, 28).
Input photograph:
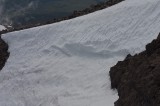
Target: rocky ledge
point(4, 54)
point(137, 78)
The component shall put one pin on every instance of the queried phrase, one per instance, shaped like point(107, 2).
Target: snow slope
point(2, 28)
point(67, 63)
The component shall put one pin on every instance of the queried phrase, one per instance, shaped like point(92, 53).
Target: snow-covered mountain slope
point(2, 28)
point(67, 63)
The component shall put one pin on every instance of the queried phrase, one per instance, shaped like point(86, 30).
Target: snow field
point(67, 63)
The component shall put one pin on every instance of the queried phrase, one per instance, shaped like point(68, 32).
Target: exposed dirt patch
point(4, 54)
point(137, 78)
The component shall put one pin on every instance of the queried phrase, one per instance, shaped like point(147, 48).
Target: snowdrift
point(2, 28)
point(67, 63)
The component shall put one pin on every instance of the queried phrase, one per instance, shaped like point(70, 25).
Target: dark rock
point(4, 54)
point(137, 78)
point(152, 46)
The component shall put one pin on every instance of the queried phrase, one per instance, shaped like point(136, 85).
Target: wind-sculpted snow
point(90, 52)
point(67, 63)
point(2, 28)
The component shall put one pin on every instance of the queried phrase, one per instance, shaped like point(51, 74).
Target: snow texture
point(2, 28)
point(67, 63)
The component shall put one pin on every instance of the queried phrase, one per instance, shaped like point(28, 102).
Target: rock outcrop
point(137, 78)
point(4, 54)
